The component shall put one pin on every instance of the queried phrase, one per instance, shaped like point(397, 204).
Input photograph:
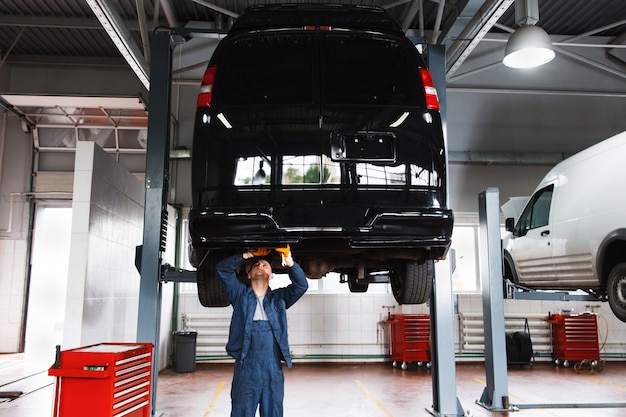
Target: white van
point(572, 232)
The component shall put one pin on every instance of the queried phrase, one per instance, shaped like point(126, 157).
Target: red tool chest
point(410, 339)
point(104, 380)
point(574, 338)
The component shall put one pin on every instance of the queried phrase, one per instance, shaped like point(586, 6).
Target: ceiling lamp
point(530, 46)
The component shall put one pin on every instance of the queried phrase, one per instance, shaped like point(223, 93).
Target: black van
point(318, 126)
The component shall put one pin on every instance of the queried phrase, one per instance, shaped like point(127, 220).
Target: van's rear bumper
point(428, 228)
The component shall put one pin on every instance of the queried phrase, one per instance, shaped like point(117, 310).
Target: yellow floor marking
point(610, 384)
point(217, 394)
point(369, 394)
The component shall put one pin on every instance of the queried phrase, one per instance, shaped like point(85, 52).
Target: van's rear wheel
point(210, 288)
point(413, 283)
point(616, 289)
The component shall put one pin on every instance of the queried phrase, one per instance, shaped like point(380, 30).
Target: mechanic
point(258, 330)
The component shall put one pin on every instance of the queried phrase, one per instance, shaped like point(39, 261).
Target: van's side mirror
point(509, 224)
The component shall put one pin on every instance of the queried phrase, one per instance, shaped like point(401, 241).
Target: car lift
point(154, 273)
point(495, 396)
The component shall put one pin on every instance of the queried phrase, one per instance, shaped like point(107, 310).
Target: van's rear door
point(375, 125)
point(267, 98)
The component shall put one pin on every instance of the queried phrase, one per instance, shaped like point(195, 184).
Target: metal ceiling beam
point(217, 8)
point(597, 65)
point(437, 28)
point(170, 14)
point(143, 29)
point(506, 158)
point(61, 22)
point(119, 34)
point(541, 92)
point(463, 19)
point(591, 62)
point(470, 37)
point(414, 8)
point(8, 51)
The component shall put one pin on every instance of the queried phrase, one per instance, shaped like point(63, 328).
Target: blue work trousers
point(258, 378)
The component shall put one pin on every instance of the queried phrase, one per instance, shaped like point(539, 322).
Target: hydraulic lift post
point(495, 396)
point(155, 209)
point(445, 400)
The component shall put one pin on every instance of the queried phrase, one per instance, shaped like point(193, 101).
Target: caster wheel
point(419, 364)
point(428, 365)
point(404, 366)
point(594, 363)
point(566, 364)
point(394, 364)
point(557, 362)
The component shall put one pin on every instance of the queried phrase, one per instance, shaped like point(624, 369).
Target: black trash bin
point(185, 350)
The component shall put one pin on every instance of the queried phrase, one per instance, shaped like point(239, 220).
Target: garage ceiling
point(67, 32)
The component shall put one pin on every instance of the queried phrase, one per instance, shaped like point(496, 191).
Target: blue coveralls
point(258, 346)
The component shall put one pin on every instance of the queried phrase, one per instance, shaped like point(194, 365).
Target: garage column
point(155, 210)
point(495, 396)
point(445, 401)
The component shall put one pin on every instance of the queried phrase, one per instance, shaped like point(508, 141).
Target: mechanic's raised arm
point(299, 284)
point(227, 271)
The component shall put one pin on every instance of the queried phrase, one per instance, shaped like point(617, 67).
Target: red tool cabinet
point(410, 339)
point(574, 338)
point(104, 380)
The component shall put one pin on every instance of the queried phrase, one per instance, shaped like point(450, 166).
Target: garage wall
point(107, 225)
point(467, 181)
point(327, 327)
point(15, 157)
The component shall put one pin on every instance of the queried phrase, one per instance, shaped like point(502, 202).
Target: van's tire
point(210, 288)
point(413, 283)
point(616, 290)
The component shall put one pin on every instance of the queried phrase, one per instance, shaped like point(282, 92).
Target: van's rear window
point(370, 70)
point(267, 69)
point(279, 68)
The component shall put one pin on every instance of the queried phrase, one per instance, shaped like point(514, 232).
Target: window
point(537, 213)
point(254, 170)
point(370, 174)
point(310, 169)
point(387, 80)
point(422, 176)
point(268, 69)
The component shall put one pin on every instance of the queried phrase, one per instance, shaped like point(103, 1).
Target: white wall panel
point(107, 225)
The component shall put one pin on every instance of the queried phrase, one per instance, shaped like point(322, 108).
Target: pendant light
point(530, 46)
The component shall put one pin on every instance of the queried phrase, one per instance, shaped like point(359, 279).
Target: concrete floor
point(346, 390)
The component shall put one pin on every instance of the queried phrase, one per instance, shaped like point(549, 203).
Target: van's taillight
point(432, 101)
point(206, 88)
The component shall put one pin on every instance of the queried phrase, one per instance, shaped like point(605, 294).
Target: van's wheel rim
point(616, 289)
point(620, 290)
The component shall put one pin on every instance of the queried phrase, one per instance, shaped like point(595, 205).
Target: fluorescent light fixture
point(112, 23)
point(224, 121)
point(530, 46)
point(401, 119)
